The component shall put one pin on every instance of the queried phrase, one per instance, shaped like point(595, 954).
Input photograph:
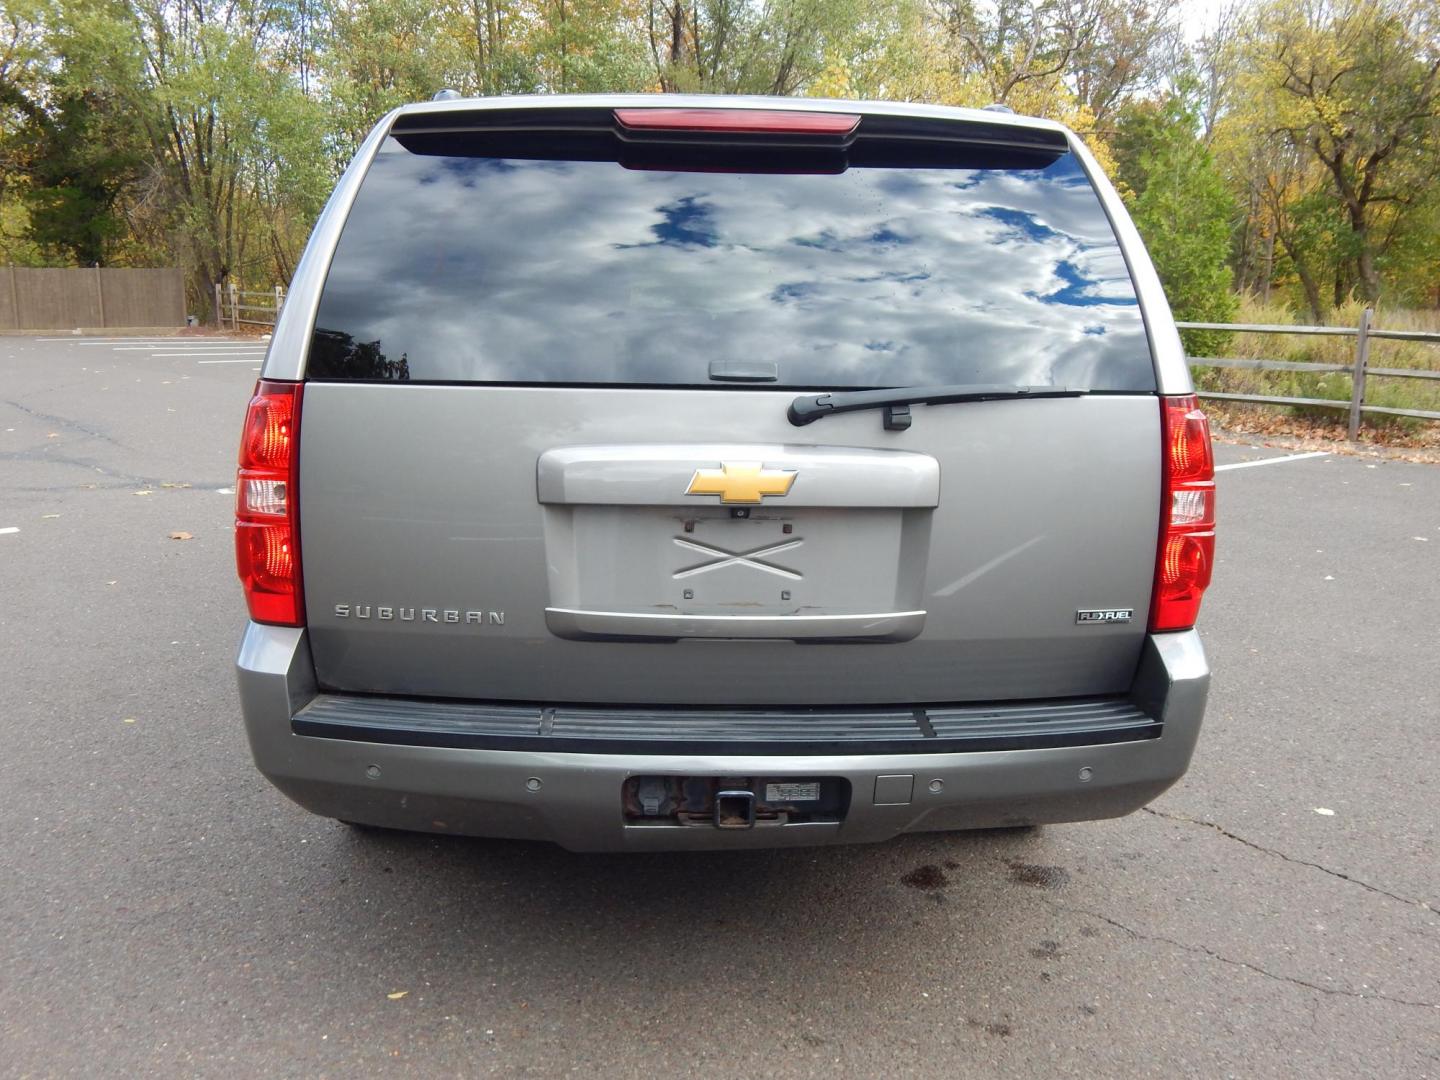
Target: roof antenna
point(994, 106)
point(446, 95)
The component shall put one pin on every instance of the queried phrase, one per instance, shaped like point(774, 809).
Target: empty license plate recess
point(734, 801)
point(709, 561)
point(649, 542)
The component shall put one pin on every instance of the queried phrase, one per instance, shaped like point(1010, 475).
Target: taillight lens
point(1187, 515)
point(267, 527)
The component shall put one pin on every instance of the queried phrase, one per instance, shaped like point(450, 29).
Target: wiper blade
point(812, 407)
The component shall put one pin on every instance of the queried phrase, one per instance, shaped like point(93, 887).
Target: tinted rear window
point(502, 258)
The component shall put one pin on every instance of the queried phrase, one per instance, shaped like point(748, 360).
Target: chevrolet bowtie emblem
point(741, 482)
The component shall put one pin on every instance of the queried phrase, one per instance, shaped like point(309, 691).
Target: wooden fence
point(48, 298)
point(235, 306)
point(1358, 369)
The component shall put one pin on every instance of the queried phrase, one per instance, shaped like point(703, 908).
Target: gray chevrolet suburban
point(649, 472)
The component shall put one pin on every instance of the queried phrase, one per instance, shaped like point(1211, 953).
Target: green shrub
point(1184, 211)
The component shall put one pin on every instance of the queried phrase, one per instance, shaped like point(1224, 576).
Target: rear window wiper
point(812, 407)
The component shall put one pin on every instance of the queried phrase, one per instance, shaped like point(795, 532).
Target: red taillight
point(266, 442)
point(267, 528)
point(1187, 515)
point(739, 121)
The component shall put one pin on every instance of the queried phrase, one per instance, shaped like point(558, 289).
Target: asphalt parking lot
point(166, 912)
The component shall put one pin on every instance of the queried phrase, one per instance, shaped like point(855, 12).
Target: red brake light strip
point(739, 121)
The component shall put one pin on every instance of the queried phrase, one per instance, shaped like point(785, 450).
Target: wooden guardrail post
point(219, 309)
point(234, 307)
point(1357, 379)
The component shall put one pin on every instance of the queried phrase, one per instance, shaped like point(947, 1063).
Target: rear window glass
point(501, 258)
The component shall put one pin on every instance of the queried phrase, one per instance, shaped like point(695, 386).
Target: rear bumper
point(574, 798)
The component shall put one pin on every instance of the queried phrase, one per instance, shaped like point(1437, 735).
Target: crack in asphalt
point(123, 479)
point(65, 422)
point(1201, 950)
point(1423, 905)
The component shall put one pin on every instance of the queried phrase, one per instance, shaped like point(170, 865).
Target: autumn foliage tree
point(1354, 86)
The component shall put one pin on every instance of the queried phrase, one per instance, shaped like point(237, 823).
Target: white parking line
point(1272, 460)
point(212, 352)
point(11, 529)
point(242, 360)
point(130, 346)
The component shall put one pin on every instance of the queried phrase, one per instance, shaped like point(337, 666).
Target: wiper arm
point(808, 409)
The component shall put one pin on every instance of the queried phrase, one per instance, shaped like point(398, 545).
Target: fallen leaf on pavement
point(142, 493)
point(182, 536)
point(172, 484)
point(397, 995)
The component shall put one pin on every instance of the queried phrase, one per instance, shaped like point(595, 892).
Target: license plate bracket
point(734, 802)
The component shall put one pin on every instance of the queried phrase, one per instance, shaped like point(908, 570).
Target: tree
point(1213, 65)
point(1301, 218)
point(586, 46)
point(83, 154)
point(896, 50)
point(205, 87)
point(1068, 60)
point(1184, 212)
point(1355, 84)
point(742, 47)
point(1016, 45)
point(24, 60)
point(375, 56)
point(1129, 48)
point(491, 34)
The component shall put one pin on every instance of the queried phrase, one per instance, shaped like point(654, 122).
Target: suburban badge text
point(424, 614)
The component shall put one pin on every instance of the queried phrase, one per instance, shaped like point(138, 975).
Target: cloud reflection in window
point(540, 271)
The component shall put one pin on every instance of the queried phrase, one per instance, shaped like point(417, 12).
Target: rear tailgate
point(527, 472)
point(421, 521)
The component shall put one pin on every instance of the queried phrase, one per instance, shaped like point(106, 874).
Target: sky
point(1198, 16)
